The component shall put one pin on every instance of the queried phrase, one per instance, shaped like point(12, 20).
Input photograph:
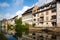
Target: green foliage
point(18, 25)
point(2, 37)
point(21, 28)
point(9, 26)
point(18, 21)
point(26, 28)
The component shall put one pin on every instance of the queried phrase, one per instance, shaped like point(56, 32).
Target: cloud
point(1, 17)
point(41, 2)
point(7, 16)
point(22, 11)
point(4, 4)
point(18, 2)
point(47, 1)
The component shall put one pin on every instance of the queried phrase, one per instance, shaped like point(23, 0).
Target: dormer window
point(54, 10)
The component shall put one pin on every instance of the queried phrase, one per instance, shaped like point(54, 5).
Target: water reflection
point(10, 37)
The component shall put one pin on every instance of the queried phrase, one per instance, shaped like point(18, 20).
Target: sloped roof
point(28, 11)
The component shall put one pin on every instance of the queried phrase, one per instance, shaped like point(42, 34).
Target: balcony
point(41, 20)
point(54, 24)
point(53, 19)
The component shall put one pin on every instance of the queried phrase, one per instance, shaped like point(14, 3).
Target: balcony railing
point(41, 20)
point(53, 20)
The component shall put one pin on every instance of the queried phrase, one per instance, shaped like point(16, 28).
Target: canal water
point(10, 37)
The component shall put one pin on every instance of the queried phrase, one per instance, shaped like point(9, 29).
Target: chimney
point(35, 8)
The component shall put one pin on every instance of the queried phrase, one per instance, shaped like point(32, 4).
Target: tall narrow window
point(38, 15)
point(34, 19)
point(54, 17)
point(46, 18)
point(54, 24)
point(46, 12)
point(34, 15)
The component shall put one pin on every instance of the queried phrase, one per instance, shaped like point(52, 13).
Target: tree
point(26, 28)
point(20, 28)
point(9, 26)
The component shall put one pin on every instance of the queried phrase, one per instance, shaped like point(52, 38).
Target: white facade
point(28, 18)
point(46, 16)
point(58, 14)
point(11, 21)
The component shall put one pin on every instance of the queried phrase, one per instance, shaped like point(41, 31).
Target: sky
point(11, 8)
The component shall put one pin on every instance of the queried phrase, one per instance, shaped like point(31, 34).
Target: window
point(53, 36)
point(42, 18)
point(38, 19)
point(46, 23)
point(34, 19)
point(47, 18)
point(41, 22)
point(34, 38)
point(38, 23)
point(54, 17)
point(41, 37)
point(54, 10)
point(33, 33)
point(34, 15)
point(38, 15)
point(54, 24)
point(54, 5)
point(42, 13)
point(46, 12)
point(59, 2)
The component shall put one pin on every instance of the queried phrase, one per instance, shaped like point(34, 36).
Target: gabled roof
point(41, 7)
point(46, 5)
point(28, 11)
